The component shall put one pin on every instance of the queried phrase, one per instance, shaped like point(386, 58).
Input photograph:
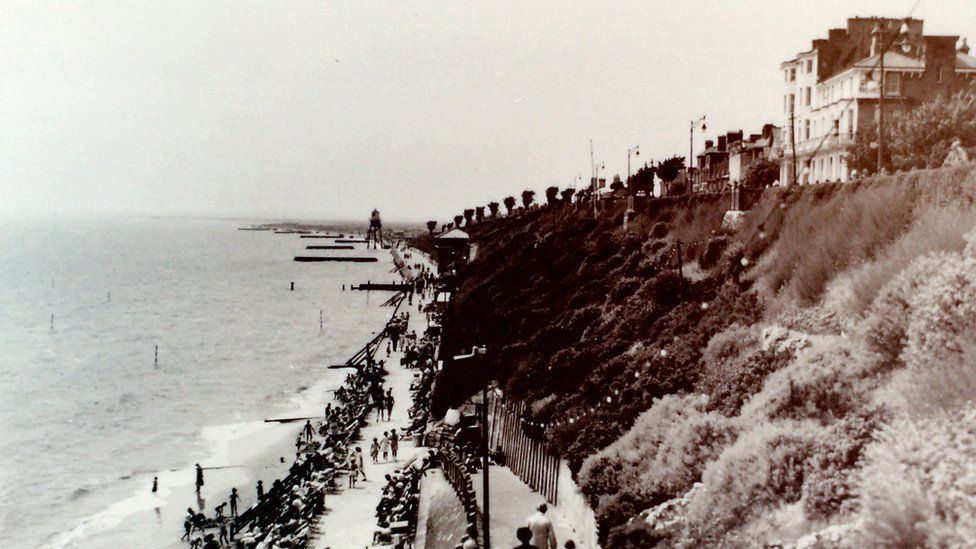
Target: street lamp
point(900, 40)
point(635, 152)
point(691, 139)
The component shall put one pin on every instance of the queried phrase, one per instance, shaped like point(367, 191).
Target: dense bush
point(918, 487)
point(823, 382)
point(829, 484)
point(764, 467)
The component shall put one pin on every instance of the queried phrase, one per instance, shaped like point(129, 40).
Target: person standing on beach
point(199, 481)
point(260, 490)
point(374, 451)
point(234, 498)
point(394, 443)
point(223, 534)
point(308, 430)
point(359, 462)
point(385, 445)
point(352, 464)
point(389, 404)
point(155, 484)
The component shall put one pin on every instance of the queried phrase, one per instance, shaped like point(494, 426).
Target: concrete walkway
point(350, 518)
point(512, 503)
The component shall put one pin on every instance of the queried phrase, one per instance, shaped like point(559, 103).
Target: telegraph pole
point(793, 137)
point(881, 94)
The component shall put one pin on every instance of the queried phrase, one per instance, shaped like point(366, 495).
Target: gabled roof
point(965, 62)
point(892, 61)
point(453, 234)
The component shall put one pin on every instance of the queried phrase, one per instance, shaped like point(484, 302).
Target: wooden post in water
point(109, 297)
point(52, 320)
point(156, 357)
point(320, 320)
point(293, 286)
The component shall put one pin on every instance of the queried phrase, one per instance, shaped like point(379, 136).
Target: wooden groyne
point(350, 241)
point(331, 247)
point(379, 286)
point(314, 259)
point(322, 236)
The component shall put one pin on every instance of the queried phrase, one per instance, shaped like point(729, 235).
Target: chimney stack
point(709, 143)
point(721, 142)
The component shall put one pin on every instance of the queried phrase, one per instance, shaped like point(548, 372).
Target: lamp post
point(900, 40)
point(691, 139)
point(631, 152)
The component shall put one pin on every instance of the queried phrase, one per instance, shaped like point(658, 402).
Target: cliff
point(780, 367)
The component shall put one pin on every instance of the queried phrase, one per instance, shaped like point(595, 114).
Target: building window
point(892, 83)
point(793, 74)
point(850, 123)
point(809, 66)
point(806, 97)
point(806, 129)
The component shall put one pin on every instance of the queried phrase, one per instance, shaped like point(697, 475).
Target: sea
point(132, 348)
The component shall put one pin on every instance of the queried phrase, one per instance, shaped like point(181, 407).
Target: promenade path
point(512, 503)
point(350, 518)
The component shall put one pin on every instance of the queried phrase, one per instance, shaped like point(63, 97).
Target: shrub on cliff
point(830, 483)
point(765, 467)
point(660, 457)
point(917, 486)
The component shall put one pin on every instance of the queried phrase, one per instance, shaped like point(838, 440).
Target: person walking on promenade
point(308, 430)
point(199, 481)
point(385, 445)
point(389, 404)
point(374, 451)
point(379, 402)
point(234, 498)
point(524, 535)
point(260, 490)
point(155, 484)
point(394, 443)
point(543, 536)
point(359, 462)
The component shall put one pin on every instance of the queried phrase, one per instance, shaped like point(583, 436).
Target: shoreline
point(257, 446)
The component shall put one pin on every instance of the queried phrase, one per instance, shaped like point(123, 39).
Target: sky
point(325, 110)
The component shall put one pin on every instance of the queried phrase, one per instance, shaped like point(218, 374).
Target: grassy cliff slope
point(770, 389)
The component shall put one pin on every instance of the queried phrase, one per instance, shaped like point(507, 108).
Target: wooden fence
point(525, 457)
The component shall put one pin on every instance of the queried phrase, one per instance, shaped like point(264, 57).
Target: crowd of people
point(283, 515)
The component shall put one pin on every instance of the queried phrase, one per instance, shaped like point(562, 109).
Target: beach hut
point(453, 250)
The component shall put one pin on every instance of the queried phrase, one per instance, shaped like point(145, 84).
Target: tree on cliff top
point(431, 225)
point(527, 198)
point(493, 208)
point(468, 216)
point(669, 168)
point(918, 138)
point(457, 220)
point(509, 204)
point(642, 181)
point(552, 195)
point(567, 195)
point(760, 174)
point(479, 213)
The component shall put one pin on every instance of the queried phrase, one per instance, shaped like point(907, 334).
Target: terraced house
point(833, 89)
